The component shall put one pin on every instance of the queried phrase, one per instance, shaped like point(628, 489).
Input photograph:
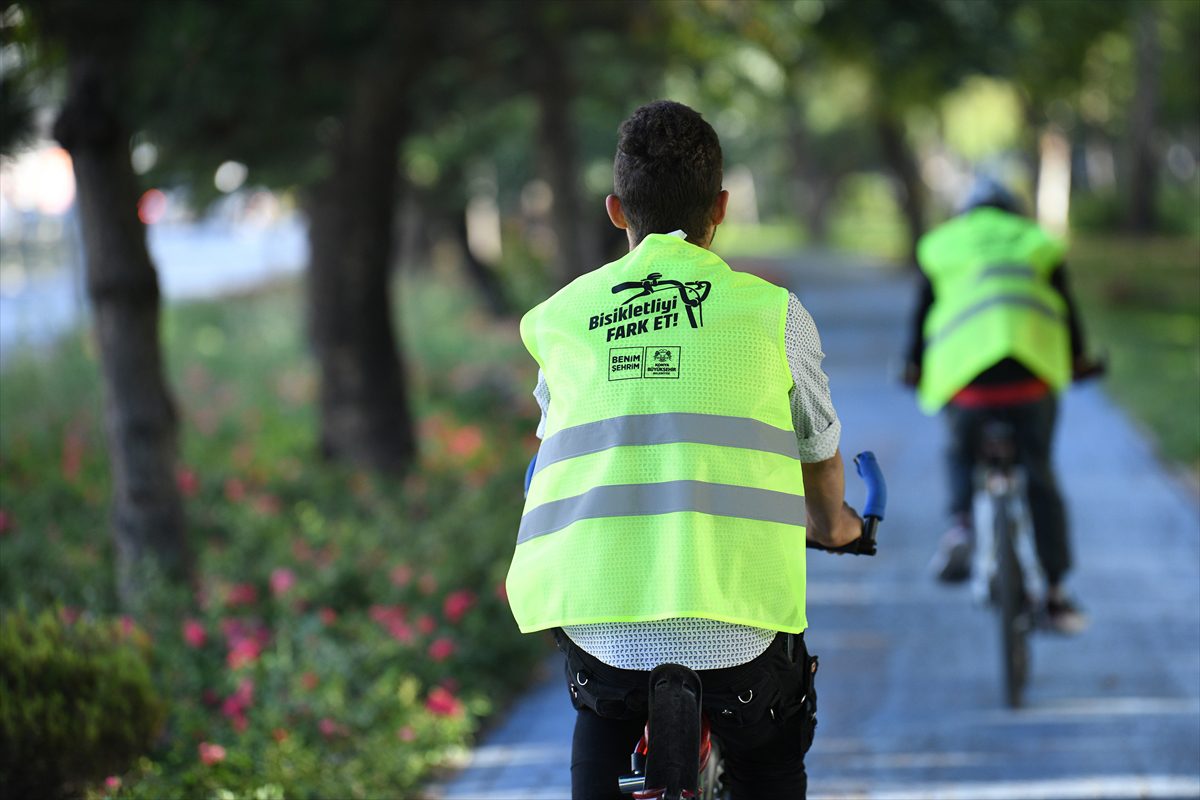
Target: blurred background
point(264, 406)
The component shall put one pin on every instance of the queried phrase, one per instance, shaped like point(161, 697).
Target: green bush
point(76, 701)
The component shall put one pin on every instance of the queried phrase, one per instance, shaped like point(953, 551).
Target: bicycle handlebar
point(868, 469)
point(873, 509)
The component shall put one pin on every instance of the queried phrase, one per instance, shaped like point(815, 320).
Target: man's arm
point(831, 523)
point(1058, 279)
point(916, 335)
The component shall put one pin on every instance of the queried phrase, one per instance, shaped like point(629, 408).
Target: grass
point(1140, 301)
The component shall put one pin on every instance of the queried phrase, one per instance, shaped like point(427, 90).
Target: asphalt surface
point(910, 694)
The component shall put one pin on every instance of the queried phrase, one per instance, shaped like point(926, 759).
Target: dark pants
point(763, 742)
point(1033, 430)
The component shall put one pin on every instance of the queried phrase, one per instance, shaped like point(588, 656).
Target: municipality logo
point(657, 310)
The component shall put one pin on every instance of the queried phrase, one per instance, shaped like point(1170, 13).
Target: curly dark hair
point(667, 172)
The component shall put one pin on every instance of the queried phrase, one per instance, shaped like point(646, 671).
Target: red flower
point(465, 442)
point(69, 614)
point(112, 783)
point(426, 624)
point(401, 575)
point(237, 704)
point(194, 633)
point(309, 680)
point(244, 652)
point(328, 616)
point(406, 734)
point(279, 734)
point(427, 583)
point(242, 594)
point(302, 550)
point(282, 580)
point(330, 728)
point(399, 630)
point(235, 490)
point(442, 703)
point(72, 454)
point(502, 591)
point(457, 604)
point(211, 753)
point(441, 649)
point(187, 481)
point(267, 504)
point(6, 522)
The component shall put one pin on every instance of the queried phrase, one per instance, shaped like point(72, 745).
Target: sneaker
point(952, 561)
point(1061, 615)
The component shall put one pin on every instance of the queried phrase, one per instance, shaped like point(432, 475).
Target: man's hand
point(831, 523)
point(847, 526)
point(1085, 367)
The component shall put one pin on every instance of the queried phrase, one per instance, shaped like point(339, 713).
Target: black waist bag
point(610, 692)
point(779, 683)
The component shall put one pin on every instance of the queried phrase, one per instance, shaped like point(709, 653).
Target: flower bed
point(348, 632)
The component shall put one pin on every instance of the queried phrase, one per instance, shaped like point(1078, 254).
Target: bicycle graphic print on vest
point(655, 314)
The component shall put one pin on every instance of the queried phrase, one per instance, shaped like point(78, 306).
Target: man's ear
point(718, 212)
point(612, 204)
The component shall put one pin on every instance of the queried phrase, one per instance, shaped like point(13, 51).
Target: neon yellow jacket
point(668, 482)
point(990, 272)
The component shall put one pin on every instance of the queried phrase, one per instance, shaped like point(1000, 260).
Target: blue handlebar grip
point(529, 473)
point(868, 469)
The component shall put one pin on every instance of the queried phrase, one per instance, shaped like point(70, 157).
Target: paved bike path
point(910, 700)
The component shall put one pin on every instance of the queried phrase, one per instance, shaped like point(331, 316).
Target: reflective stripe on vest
point(646, 429)
point(965, 315)
point(649, 499)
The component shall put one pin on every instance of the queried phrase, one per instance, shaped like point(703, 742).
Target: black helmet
point(987, 191)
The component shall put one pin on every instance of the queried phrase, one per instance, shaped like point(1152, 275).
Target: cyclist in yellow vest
point(996, 334)
point(688, 449)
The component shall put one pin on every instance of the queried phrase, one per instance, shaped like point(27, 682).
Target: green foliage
point(1141, 305)
point(76, 701)
point(348, 632)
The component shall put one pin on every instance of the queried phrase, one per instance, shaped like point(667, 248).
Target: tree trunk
point(550, 75)
point(1143, 177)
point(140, 418)
point(903, 164)
point(485, 279)
point(364, 411)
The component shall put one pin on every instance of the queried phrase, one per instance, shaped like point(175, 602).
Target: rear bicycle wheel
point(1013, 608)
point(712, 776)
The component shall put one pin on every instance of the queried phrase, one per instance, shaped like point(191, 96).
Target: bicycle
point(1000, 577)
point(677, 756)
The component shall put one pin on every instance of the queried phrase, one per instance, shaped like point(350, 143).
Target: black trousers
point(1033, 428)
point(763, 741)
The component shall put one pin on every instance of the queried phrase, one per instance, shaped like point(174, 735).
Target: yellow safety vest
point(668, 482)
point(990, 272)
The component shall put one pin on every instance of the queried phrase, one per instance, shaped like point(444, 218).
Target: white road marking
point(1084, 787)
